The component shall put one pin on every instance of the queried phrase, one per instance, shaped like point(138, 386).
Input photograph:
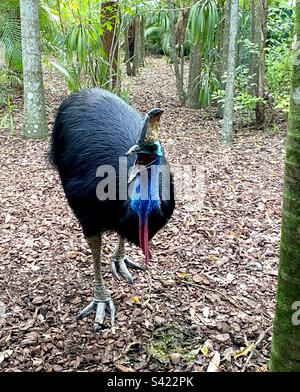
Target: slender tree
point(227, 130)
point(262, 36)
point(137, 45)
point(34, 121)
point(142, 40)
point(253, 58)
point(180, 30)
point(224, 49)
point(194, 73)
point(241, 31)
point(258, 33)
point(194, 76)
point(109, 38)
point(285, 352)
point(127, 46)
point(173, 52)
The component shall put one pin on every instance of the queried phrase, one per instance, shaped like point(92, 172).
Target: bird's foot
point(100, 306)
point(120, 267)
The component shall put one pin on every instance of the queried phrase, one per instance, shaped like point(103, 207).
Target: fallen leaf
point(37, 361)
point(230, 278)
point(228, 354)
point(122, 368)
point(214, 364)
point(7, 218)
point(244, 351)
point(175, 358)
point(5, 354)
point(198, 278)
point(192, 312)
point(183, 275)
point(204, 349)
point(223, 337)
point(205, 311)
point(2, 357)
point(72, 254)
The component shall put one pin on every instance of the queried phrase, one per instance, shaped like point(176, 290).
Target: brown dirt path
point(229, 250)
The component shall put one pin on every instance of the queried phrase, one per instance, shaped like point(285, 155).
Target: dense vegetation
point(87, 42)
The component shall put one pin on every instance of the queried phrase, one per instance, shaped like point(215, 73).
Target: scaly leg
point(121, 263)
point(102, 300)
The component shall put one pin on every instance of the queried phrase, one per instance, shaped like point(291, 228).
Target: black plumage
point(94, 127)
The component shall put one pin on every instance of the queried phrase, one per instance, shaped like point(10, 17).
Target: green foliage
point(203, 20)
point(76, 42)
point(10, 35)
point(7, 120)
point(66, 69)
point(125, 95)
point(278, 55)
point(157, 32)
point(278, 75)
point(209, 85)
point(244, 102)
point(203, 25)
point(277, 58)
point(10, 81)
point(280, 24)
point(72, 31)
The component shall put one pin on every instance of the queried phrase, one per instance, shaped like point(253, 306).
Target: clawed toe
point(101, 308)
point(87, 310)
point(120, 268)
point(131, 264)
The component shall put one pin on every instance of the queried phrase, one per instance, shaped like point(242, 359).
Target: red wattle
point(144, 241)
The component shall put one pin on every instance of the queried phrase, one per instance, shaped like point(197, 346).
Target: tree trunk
point(194, 76)
point(142, 41)
point(131, 38)
point(34, 121)
point(137, 46)
point(262, 34)
point(180, 29)
point(227, 130)
point(285, 352)
point(224, 52)
point(258, 31)
point(58, 6)
point(109, 39)
point(241, 29)
point(178, 75)
point(128, 56)
point(253, 58)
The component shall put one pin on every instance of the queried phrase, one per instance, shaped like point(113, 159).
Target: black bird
point(97, 137)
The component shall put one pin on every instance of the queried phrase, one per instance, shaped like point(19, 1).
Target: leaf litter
point(214, 269)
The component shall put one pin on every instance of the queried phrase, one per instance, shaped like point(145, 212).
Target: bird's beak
point(133, 150)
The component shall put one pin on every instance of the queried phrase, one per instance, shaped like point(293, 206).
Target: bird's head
point(148, 147)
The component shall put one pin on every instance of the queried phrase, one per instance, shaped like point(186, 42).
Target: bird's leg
point(121, 263)
point(102, 300)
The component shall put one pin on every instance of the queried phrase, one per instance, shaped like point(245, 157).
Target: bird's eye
point(152, 148)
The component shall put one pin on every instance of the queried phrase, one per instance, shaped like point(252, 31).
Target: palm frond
point(10, 39)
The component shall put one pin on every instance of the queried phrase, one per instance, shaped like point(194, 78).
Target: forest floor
point(209, 294)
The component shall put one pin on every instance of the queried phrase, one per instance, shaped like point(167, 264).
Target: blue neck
point(145, 197)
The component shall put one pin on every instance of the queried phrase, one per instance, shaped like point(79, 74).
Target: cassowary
point(97, 137)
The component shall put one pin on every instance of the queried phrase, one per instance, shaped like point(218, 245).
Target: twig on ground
point(125, 350)
point(228, 297)
point(259, 340)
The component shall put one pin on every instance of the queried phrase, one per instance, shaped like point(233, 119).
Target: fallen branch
point(228, 297)
point(259, 340)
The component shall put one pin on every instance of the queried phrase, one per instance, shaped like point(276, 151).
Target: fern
point(10, 38)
